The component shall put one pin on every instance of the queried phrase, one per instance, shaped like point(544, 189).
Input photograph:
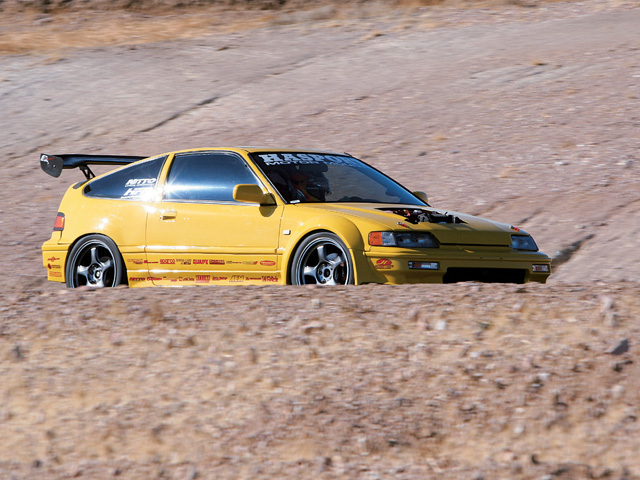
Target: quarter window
point(208, 177)
point(134, 182)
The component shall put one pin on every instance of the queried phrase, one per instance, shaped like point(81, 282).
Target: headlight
point(403, 239)
point(523, 242)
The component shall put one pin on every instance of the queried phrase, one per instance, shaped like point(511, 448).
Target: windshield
point(311, 177)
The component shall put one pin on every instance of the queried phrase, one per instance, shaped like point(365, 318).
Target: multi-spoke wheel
point(322, 259)
point(95, 262)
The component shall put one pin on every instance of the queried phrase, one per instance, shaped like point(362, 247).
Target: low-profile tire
point(322, 259)
point(94, 261)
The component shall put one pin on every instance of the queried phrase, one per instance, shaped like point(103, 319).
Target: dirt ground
point(523, 112)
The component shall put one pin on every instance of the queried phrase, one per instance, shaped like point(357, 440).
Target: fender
point(344, 228)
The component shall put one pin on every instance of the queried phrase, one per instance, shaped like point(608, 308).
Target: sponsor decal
point(250, 263)
point(140, 182)
point(55, 274)
point(203, 278)
point(403, 225)
point(137, 192)
point(232, 262)
point(139, 187)
point(137, 279)
point(218, 279)
point(200, 261)
point(216, 262)
point(254, 278)
point(53, 259)
point(306, 159)
point(184, 261)
point(186, 279)
point(269, 278)
point(167, 261)
point(136, 261)
point(237, 278)
point(51, 267)
point(383, 264)
point(267, 263)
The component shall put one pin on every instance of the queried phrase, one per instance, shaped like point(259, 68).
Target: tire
point(94, 261)
point(322, 259)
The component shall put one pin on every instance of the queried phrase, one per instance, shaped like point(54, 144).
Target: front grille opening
point(486, 275)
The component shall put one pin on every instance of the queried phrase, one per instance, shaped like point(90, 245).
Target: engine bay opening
point(418, 215)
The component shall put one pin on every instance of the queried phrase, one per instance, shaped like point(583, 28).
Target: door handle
point(168, 215)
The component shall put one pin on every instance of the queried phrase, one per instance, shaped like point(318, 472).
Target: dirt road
point(523, 115)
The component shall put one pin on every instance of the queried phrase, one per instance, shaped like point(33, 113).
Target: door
point(199, 235)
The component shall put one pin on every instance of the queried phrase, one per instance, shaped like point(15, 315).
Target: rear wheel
point(94, 262)
point(322, 259)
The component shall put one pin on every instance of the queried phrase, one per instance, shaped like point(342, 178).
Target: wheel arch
point(342, 227)
point(125, 277)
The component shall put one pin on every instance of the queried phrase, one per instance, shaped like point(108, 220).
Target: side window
point(135, 182)
point(206, 177)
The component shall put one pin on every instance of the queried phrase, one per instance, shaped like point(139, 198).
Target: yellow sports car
point(257, 216)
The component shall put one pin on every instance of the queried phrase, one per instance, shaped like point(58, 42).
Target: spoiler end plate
point(51, 164)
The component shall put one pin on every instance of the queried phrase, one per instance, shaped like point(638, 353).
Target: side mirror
point(252, 194)
point(422, 196)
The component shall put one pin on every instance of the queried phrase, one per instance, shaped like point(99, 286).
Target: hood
point(450, 228)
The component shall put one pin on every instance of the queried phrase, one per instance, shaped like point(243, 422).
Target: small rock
point(617, 391)
point(316, 303)
point(607, 304)
point(324, 463)
point(543, 377)
point(619, 366)
point(253, 355)
point(607, 311)
point(310, 327)
point(41, 20)
point(441, 325)
point(620, 348)
point(192, 474)
point(17, 352)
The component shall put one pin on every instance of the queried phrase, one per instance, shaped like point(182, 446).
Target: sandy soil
point(523, 113)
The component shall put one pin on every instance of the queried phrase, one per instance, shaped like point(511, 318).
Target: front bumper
point(450, 264)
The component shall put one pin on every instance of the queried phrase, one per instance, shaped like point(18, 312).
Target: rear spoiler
point(53, 164)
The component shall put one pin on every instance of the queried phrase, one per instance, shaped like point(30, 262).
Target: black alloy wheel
point(94, 262)
point(322, 259)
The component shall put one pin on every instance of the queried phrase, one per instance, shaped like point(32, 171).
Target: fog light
point(424, 265)
point(540, 268)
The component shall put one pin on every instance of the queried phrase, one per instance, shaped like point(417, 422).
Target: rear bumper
point(454, 264)
point(54, 259)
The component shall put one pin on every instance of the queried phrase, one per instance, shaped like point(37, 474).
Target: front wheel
point(94, 262)
point(322, 259)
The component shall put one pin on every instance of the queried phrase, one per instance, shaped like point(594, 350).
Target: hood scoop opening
point(417, 215)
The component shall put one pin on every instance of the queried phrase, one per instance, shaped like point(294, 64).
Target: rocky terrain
point(521, 112)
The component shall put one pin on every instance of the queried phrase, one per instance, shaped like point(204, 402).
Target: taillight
point(58, 225)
